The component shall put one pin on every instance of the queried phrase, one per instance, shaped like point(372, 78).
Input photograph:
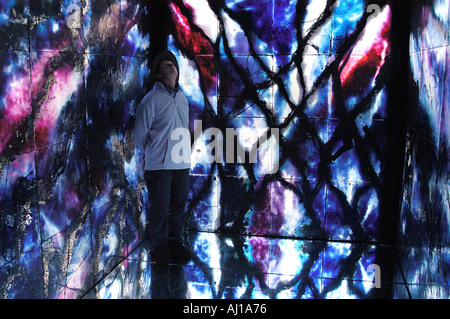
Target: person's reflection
point(168, 282)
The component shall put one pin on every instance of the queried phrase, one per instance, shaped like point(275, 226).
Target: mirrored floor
point(251, 267)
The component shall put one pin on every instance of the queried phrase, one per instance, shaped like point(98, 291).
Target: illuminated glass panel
point(69, 90)
point(424, 220)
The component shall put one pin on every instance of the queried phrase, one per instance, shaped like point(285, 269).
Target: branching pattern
point(72, 195)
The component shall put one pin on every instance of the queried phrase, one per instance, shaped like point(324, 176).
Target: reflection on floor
point(251, 267)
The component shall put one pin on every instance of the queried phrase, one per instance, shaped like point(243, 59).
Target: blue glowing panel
point(345, 18)
point(20, 218)
point(424, 219)
point(65, 178)
point(203, 202)
point(258, 91)
point(63, 190)
point(22, 274)
point(15, 106)
point(53, 32)
point(73, 200)
point(232, 267)
point(14, 27)
point(284, 28)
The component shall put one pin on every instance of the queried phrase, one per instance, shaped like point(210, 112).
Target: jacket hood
point(161, 56)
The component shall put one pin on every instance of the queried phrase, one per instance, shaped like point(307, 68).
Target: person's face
point(167, 72)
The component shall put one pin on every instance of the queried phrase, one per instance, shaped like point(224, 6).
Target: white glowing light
point(342, 292)
point(366, 277)
point(234, 33)
point(293, 213)
point(290, 263)
point(204, 17)
point(55, 27)
point(199, 291)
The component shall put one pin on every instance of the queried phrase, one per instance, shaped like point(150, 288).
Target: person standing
point(161, 111)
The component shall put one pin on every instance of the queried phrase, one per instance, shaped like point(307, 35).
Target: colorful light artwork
point(425, 206)
point(72, 196)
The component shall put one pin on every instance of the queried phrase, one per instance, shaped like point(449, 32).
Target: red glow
point(364, 64)
point(18, 101)
point(196, 43)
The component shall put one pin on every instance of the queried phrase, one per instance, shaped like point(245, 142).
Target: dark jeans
point(167, 192)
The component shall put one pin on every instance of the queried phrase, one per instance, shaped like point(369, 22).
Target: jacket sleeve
point(142, 124)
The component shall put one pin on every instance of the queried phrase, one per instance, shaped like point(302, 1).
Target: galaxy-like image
point(302, 220)
point(425, 212)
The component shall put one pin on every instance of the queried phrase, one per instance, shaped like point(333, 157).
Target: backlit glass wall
point(425, 214)
point(72, 195)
